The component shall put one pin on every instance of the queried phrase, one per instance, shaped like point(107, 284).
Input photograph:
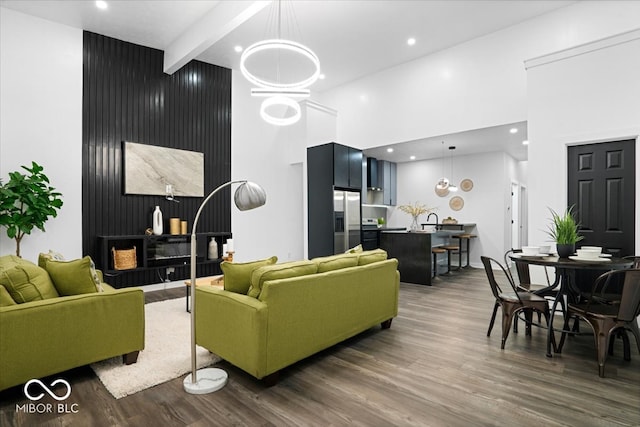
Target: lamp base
point(208, 381)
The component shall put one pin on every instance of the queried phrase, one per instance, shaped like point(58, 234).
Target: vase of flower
point(414, 224)
point(415, 211)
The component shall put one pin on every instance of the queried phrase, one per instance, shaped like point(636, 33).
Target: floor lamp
point(247, 196)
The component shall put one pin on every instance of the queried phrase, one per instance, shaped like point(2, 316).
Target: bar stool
point(435, 251)
point(465, 238)
point(453, 249)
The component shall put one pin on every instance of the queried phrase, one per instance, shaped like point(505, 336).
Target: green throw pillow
point(237, 276)
point(74, 277)
point(368, 257)
point(355, 250)
point(336, 262)
point(25, 281)
point(51, 255)
point(5, 297)
point(279, 271)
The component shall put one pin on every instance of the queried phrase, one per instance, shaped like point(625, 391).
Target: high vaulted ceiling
point(352, 38)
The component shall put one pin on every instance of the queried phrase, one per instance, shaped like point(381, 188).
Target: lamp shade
point(249, 195)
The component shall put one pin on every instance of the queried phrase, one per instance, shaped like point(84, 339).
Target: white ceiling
point(351, 38)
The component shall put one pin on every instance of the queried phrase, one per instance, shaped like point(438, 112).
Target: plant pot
point(566, 250)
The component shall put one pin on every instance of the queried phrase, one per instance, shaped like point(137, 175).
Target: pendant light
point(452, 187)
point(443, 182)
point(279, 93)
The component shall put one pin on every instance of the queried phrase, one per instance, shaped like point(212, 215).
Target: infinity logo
point(47, 389)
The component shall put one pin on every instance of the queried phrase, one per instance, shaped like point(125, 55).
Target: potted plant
point(27, 201)
point(564, 231)
point(415, 211)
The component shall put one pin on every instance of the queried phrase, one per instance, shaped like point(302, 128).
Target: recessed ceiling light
point(321, 76)
point(411, 41)
point(525, 142)
point(238, 49)
point(513, 130)
point(389, 150)
point(412, 157)
point(101, 4)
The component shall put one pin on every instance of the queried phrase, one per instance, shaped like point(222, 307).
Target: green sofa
point(51, 333)
point(298, 311)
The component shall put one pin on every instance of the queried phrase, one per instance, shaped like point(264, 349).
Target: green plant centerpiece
point(415, 210)
point(27, 201)
point(564, 231)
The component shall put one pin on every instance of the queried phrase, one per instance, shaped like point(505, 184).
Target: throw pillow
point(279, 271)
point(24, 280)
point(355, 250)
point(73, 277)
point(237, 276)
point(368, 257)
point(51, 255)
point(5, 297)
point(336, 262)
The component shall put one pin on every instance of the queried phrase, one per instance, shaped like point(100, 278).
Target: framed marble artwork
point(151, 170)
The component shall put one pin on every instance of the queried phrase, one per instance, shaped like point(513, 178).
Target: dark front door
point(602, 188)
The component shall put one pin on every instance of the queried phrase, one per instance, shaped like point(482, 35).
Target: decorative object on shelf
point(213, 249)
point(248, 195)
point(452, 187)
point(278, 92)
point(415, 211)
point(157, 221)
point(183, 227)
point(456, 203)
point(148, 231)
point(441, 192)
point(174, 226)
point(443, 182)
point(27, 201)
point(466, 184)
point(449, 220)
point(564, 231)
point(124, 259)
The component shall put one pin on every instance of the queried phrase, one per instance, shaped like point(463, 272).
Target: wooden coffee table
point(217, 281)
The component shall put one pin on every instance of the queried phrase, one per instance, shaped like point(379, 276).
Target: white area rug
point(166, 354)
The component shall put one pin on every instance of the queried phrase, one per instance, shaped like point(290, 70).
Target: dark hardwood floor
point(435, 366)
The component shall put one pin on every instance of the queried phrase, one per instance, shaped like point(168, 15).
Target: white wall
point(41, 121)
point(270, 156)
point(473, 85)
point(590, 97)
point(491, 174)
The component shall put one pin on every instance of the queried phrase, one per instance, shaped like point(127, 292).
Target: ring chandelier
point(280, 93)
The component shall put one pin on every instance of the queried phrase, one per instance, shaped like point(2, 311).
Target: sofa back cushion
point(24, 280)
point(5, 297)
point(336, 262)
point(73, 277)
point(237, 275)
point(279, 271)
point(368, 257)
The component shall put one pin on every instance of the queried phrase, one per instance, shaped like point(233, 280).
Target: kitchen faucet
point(429, 216)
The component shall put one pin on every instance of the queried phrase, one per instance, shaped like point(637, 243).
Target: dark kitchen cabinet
point(333, 170)
point(387, 173)
point(347, 167)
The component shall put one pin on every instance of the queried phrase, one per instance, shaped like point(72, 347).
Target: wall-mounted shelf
point(163, 251)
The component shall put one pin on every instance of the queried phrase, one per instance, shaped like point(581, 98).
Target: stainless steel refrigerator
point(347, 222)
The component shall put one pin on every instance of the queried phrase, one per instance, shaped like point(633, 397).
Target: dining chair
point(512, 301)
point(609, 317)
point(548, 290)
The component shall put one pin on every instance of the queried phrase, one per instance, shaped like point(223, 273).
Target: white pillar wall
point(41, 121)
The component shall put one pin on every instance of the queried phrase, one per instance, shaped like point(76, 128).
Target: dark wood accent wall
point(128, 97)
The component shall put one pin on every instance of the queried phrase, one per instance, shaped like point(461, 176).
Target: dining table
point(566, 269)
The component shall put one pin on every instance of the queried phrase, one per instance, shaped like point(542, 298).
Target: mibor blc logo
point(31, 392)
